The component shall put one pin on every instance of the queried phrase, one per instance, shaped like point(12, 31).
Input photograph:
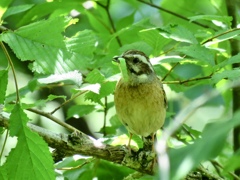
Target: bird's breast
point(140, 108)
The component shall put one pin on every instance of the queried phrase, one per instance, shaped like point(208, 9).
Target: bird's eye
point(135, 60)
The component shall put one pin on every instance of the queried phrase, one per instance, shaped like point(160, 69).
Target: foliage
point(66, 49)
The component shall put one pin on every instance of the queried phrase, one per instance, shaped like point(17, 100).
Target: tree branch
point(79, 143)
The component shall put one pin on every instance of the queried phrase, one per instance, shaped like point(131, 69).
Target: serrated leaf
point(46, 47)
point(198, 52)
point(18, 121)
point(3, 85)
point(107, 88)
point(178, 33)
point(93, 97)
point(80, 110)
point(226, 74)
point(82, 43)
point(94, 77)
point(31, 151)
point(186, 158)
point(154, 39)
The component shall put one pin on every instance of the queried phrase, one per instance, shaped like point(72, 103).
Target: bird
point(140, 100)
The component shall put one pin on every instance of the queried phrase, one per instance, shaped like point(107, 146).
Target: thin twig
point(105, 116)
point(69, 100)
point(53, 118)
point(77, 167)
point(106, 7)
point(188, 80)
point(170, 71)
point(221, 34)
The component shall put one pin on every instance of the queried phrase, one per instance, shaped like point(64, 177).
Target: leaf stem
point(13, 70)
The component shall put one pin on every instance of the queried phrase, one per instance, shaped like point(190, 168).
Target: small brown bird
point(140, 101)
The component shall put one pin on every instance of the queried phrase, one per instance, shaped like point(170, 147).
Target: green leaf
point(17, 9)
point(223, 19)
point(31, 151)
point(223, 37)
point(46, 8)
point(72, 77)
point(3, 173)
point(80, 110)
point(3, 85)
point(231, 60)
point(198, 52)
point(47, 48)
point(52, 97)
point(4, 6)
point(95, 76)
point(106, 89)
point(178, 33)
point(233, 162)
point(226, 74)
point(154, 39)
point(208, 147)
point(107, 130)
point(141, 46)
point(82, 43)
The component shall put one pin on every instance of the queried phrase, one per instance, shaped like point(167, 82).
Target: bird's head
point(138, 66)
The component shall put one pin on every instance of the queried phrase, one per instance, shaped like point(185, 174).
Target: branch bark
point(79, 143)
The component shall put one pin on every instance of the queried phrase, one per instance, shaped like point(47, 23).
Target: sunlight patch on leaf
point(221, 21)
point(91, 87)
point(178, 33)
point(72, 76)
point(198, 52)
point(223, 37)
point(166, 59)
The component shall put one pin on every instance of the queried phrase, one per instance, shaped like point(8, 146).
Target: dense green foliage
point(61, 51)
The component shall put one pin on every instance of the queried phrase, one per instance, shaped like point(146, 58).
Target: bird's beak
point(116, 59)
